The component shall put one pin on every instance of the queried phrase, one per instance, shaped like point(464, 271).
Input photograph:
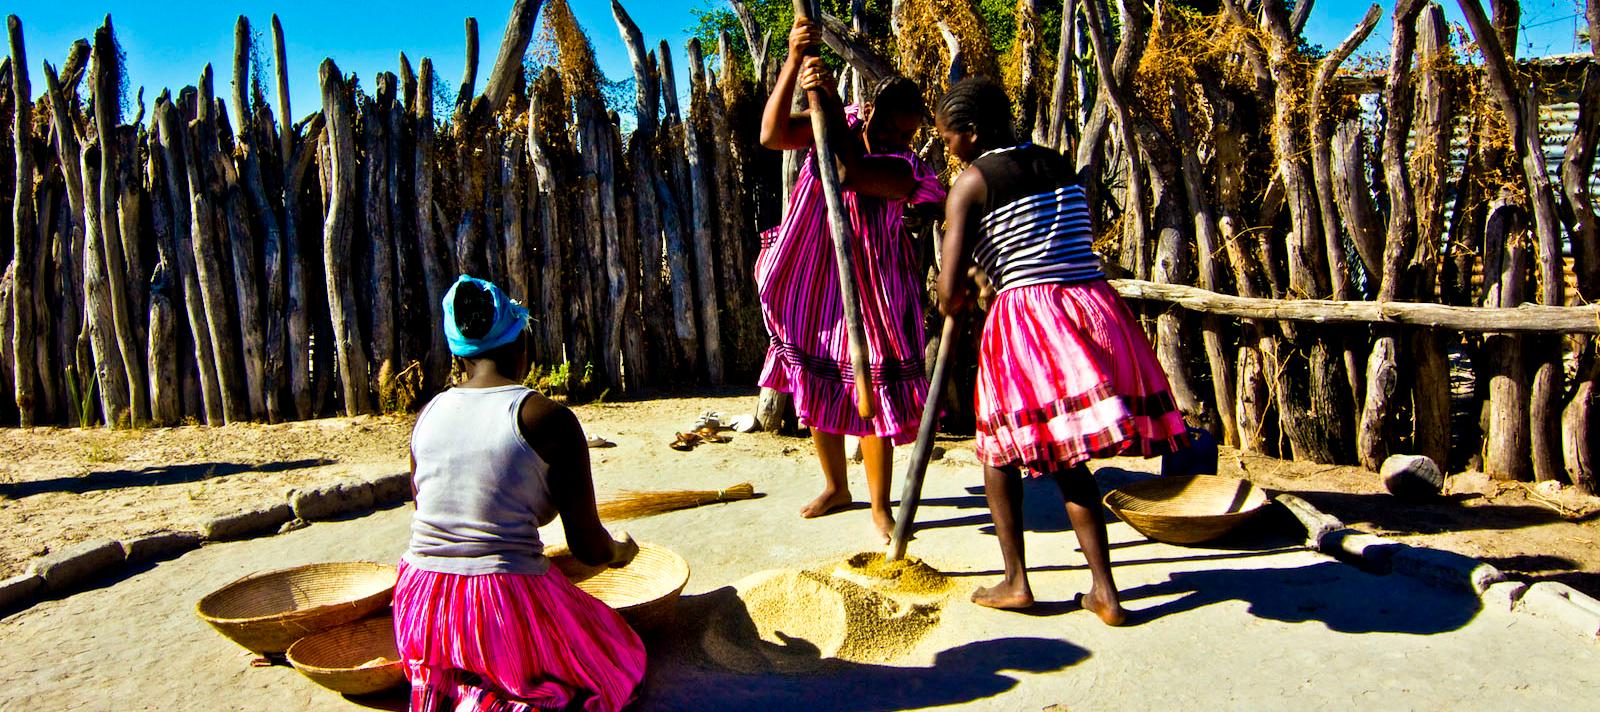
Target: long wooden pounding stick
point(839, 222)
point(911, 492)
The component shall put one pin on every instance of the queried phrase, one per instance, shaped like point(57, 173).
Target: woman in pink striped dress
point(483, 622)
point(1064, 373)
point(799, 286)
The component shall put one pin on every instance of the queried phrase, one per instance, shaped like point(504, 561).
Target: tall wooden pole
point(24, 229)
point(839, 227)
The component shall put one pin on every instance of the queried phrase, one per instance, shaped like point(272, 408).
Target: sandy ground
point(1252, 622)
point(59, 486)
point(62, 486)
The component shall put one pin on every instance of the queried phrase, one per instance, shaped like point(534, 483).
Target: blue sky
point(168, 41)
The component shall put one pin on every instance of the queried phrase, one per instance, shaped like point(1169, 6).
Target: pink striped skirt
point(512, 643)
point(1065, 375)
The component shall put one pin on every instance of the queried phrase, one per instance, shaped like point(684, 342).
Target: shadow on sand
point(683, 677)
point(150, 477)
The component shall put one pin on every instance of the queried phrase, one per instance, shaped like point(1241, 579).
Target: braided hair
point(897, 94)
point(979, 105)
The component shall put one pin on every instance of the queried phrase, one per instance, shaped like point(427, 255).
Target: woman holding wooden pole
point(802, 298)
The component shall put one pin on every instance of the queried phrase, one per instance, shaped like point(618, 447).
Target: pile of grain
point(908, 575)
point(804, 621)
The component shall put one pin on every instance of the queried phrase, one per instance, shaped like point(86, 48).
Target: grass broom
point(632, 504)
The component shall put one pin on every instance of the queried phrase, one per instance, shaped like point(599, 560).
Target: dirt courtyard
point(1242, 623)
point(63, 486)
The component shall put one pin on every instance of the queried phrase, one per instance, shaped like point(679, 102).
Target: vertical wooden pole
point(336, 239)
point(431, 253)
point(24, 228)
point(673, 221)
point(379, 293)
point(842, 236)
point(700, 177)
point(107, 109)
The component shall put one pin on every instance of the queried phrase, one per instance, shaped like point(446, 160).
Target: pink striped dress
point(1064, 372)
point(484, 623)
point(798, 284)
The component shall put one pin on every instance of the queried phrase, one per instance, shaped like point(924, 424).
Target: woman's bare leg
point(835, 483)
point(1089, 523)
point(879, 456)
point(1003, 488)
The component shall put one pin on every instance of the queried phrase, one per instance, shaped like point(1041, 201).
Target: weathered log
point(506, 73)
point(469, 74)
point(1525, 319)
point(166, 398)
point(171, 139)
point(652, 287)
point(1026, 40)
point(673, 224)
point(103, 81)
point(429, 251)
point(296, 152)
point(109, 371)
point(1059, 134)
point(636, 365)
point(1377, 427)
point(757, 40)
point(1207, 245)
point(511, 193)
point(251, 143)
point(379, 292)
point(1114, 92)
point(552, 228)
point(1520, 107)
point(748, 334)
point(1505, 277)
point(1354, 197)
point(1430, 162)
point(1577, 429)
point(24, 230)
point(336, 239)
point(852, 46)
point(1322, 164)
point(246, 278)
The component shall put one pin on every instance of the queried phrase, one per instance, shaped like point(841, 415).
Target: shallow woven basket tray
point(342, 659)
point(268, 611)
point(1186, 510)
point(645, 591)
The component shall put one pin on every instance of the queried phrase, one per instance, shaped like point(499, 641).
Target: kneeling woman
point(482, 620)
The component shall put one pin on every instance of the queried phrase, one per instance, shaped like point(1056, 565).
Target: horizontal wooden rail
point(1528, 318)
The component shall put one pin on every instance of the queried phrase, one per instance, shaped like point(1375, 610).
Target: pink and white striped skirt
point(1065, 375)
point(512, 643)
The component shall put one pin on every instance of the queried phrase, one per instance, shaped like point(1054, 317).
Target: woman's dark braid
point(980, 105)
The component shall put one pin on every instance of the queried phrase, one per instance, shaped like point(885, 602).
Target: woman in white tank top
point(481, 619)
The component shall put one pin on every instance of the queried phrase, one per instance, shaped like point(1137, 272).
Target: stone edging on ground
point(72, 569)
point(1444, 569)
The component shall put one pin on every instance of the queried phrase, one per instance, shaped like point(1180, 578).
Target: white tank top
point(481, 489)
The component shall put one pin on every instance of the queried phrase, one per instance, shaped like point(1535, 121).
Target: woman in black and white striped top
point(1064, 373)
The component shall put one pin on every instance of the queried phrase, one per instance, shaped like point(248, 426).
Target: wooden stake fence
point(191, 267)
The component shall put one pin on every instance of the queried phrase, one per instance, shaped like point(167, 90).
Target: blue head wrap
point(509, 320)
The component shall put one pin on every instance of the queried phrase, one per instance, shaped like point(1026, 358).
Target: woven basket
point(1186, 510)
point(645, 591)
point(267, 612)
point(342, 659)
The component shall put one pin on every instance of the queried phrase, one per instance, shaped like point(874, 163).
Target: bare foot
point(884, 521)
point(1003, 596)
point(825, 503)
point(1104, 605)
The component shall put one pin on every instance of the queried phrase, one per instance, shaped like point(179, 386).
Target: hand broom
point(632, 504)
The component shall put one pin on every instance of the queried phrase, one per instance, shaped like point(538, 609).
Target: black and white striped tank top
point(1036, 227)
